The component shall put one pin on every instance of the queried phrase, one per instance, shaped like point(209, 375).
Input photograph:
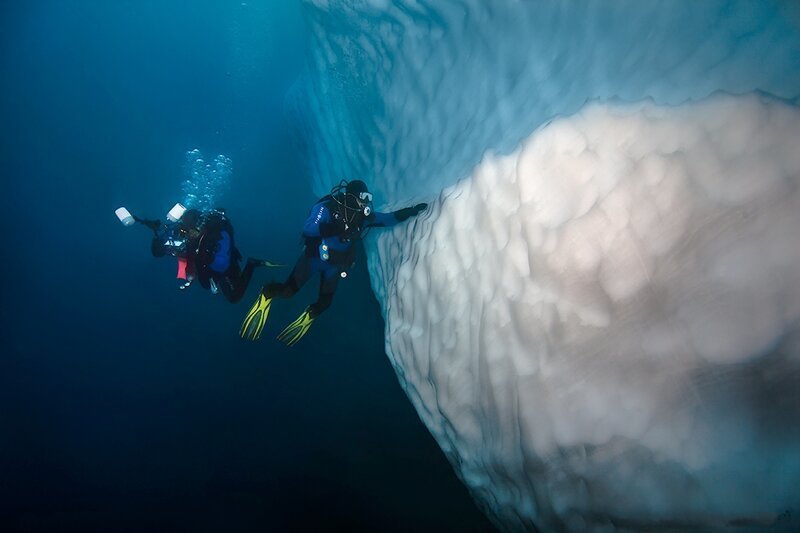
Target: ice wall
point(409, 94)
point(598, 318)
point(602, 328)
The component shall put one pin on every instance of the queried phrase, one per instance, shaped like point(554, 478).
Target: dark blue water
point(125, 404)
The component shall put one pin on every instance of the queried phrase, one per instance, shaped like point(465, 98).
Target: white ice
point(602, 326)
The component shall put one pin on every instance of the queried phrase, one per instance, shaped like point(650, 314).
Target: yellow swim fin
point(254, 322)
point(297, 329)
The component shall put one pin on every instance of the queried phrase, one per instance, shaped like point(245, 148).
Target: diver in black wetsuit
point(335, 223)
point(203, 244)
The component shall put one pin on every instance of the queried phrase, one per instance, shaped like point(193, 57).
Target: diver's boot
point(254, 322)
point(297, 329)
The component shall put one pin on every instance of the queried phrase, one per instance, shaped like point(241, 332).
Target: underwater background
point(128, 405)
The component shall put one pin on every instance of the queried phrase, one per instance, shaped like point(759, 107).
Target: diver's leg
point(329, 280)
point(253, 323)
point(301, 273)
point(235, 282)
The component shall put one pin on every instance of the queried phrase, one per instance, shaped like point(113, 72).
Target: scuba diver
point(204, 246)
point(335, 223)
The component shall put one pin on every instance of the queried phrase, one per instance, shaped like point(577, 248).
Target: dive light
point(125, 216)
point(176, 212)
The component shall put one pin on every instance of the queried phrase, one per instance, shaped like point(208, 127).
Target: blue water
point(128, 405)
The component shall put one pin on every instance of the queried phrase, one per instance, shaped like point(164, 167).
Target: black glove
point(408, 212)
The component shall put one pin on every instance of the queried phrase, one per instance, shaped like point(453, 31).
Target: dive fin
point(297, 329)
point(254, 322)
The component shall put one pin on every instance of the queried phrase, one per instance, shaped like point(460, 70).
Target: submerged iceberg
point(603, 326)
point(599, 317)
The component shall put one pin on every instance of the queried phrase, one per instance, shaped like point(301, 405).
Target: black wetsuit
point(211, 256)
point(326, 225)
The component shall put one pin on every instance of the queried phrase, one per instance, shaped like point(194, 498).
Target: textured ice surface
point(602, 327)
point(599, 324)
point(409, 94)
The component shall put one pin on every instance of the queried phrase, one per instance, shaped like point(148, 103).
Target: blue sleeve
point(222, 253)
point(319, 215)
point(381, 220)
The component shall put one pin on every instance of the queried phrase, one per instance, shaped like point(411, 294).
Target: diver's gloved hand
point(408, 212)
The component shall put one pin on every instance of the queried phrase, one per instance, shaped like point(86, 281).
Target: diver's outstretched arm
point(152, 224)
point(156, 245)
point(387, 220)
point(408, 212)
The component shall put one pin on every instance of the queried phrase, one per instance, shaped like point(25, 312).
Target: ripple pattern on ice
point(601, 327)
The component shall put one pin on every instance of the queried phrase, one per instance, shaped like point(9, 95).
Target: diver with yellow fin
point(334, 224)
